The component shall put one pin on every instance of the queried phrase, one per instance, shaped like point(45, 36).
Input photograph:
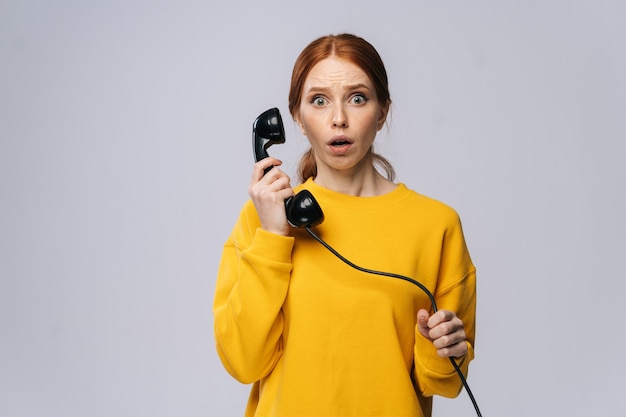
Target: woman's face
point(340, 115)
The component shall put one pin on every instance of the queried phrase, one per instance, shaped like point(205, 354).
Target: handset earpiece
point(302, 209)
point(267, 130)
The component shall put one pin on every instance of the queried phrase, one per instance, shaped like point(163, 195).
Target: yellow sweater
point(319, 338)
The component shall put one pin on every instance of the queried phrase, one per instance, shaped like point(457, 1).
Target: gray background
point(125, 156)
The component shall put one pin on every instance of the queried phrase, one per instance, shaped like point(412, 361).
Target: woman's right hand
point(268, 193)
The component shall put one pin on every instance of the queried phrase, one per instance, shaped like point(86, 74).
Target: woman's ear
point(300, 125)
point(384, 110)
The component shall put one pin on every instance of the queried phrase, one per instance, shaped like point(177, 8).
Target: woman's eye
point(319, 101)
point(358, 99)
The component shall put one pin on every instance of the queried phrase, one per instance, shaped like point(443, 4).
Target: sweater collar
point(327, 197)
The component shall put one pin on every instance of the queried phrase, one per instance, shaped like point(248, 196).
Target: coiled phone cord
point(412, 281)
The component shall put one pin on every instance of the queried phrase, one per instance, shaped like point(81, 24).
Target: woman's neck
point(368, 183)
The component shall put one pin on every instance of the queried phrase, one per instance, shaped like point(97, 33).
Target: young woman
point(315, 336)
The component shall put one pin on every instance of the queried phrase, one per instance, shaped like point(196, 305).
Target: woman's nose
point(339, 118)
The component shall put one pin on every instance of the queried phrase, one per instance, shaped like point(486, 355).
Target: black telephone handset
point(302, 209)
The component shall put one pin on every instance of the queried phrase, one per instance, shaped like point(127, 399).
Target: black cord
point(412, 281)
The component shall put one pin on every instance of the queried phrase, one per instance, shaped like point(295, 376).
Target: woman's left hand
point(445, 330)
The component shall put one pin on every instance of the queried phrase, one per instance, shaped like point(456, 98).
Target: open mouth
point(340, 143)
point(340, 146)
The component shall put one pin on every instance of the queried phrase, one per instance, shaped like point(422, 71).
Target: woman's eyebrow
point(350, 87)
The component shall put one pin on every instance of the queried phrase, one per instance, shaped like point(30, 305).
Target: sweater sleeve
point(456, 291)
point(252, 283)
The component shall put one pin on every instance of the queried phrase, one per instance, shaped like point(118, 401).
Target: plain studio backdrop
point(125, 156)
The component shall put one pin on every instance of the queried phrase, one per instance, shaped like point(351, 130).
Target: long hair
point(351, 48)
